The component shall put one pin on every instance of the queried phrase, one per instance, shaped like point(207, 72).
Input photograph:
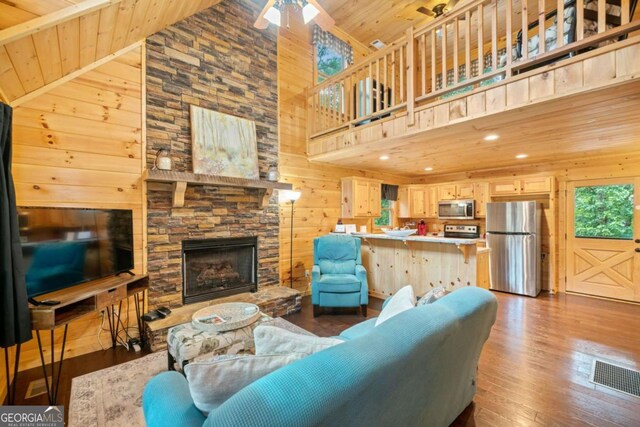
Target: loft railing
point(477, 44)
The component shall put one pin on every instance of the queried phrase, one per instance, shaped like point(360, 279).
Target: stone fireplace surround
point(217, 60)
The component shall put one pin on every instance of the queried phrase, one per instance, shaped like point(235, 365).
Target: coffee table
point(187, 344)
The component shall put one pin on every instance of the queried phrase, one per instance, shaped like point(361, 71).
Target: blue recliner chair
point(338, 278)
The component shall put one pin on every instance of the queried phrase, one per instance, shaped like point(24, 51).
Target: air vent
point(378, 44)
point(616, 377)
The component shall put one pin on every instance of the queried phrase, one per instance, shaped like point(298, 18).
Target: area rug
point(112, 397)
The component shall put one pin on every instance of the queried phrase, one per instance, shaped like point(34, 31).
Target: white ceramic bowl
point(399, 233)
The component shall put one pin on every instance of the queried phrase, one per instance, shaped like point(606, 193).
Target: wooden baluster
point(494, 36)
point(313, 116)
point(624, 12)
point(602, 16)
point(378, 87)
point(560, 28)
point(541, 38)
point(443, 38)
point(467, 45)
point(433, 60)
point(509, 31)
point(370, 90)
point(481, 39)
point(579, 20)
point(456, 35)
point(524, 44)
point(412, 77)
point(339, 95)
point(393, 75)
point(423, 64)
point(358, 93)
point(387, 98)
point(403, 73)
point(348, 83)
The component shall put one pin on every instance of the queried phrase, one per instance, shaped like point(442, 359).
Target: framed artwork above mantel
point(223, 145)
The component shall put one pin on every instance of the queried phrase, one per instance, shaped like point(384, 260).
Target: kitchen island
point(425, 262)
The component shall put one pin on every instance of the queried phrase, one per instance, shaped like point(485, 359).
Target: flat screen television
point(63, 247)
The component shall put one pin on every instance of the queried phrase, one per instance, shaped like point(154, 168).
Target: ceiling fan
point(439, 9)
point(310, 9)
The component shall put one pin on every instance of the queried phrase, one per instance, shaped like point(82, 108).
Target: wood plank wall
point(81, 145)
point(318, 209)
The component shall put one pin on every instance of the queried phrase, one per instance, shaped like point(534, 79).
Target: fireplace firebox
point(215, 268)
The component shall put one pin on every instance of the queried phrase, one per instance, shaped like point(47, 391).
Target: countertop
point(426, 239)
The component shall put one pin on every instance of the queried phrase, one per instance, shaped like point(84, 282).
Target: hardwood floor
point(534, 369)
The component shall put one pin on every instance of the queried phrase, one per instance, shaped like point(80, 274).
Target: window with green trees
point(328, 62)
point(386, 215)
point(604, 211)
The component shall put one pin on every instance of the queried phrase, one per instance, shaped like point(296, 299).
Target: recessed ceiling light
point(521, 156)
point(429, 169)
point(491, 137)
point(385, 157)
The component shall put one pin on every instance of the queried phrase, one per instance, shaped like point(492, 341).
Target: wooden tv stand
point(78, 301)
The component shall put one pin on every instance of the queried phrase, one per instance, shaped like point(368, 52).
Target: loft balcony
point(489, 64)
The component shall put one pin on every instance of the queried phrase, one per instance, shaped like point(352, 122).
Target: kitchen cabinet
point(432, 202)
point(418, 201)
point(505, 188)
point(403, 202)
point(361, 197)
point(536, 185)
point(455, 191)
point(481, 193)
point(533, 185)
point(447, 192)
point(465, 191)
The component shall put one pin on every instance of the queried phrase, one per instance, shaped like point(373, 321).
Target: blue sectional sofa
point(416, 369)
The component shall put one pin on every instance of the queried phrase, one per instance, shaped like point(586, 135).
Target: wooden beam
point(32, 26)
point(323, 19)
point(261, 23)
point(46, 88)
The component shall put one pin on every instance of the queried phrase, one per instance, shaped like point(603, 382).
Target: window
point(604, 212)
point(328, 62)
point(386, 217)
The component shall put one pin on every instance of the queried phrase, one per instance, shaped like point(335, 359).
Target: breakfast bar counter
point(425, 262)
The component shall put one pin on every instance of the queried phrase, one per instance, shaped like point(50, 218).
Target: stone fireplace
point(214, 268)
point(216, 60)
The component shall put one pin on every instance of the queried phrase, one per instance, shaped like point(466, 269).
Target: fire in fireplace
point(214, 268)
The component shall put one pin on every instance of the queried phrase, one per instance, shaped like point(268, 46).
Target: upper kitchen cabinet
point(455, 191)
point(403, 202)
point(418, 201)
point(361, 197)
point(533, 185)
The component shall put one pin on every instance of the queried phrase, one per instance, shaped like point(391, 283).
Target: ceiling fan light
point(273, 15)
point(309, 12)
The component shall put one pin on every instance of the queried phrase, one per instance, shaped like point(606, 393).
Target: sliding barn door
point(603, 238)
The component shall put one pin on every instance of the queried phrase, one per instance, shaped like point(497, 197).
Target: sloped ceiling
point(43, 41)
point(367, 20)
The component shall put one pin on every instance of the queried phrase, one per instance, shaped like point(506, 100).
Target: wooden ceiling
point(367, 20)
point(597, 123)
point(43, 41)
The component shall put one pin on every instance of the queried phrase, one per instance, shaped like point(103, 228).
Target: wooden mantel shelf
point(181, 179)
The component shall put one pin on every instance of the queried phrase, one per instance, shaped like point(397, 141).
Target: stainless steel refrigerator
point(513, 234)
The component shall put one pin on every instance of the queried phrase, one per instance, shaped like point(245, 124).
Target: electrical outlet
point(306, 273)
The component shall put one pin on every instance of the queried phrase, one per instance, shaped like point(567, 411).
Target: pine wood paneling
point(80, 145)
point(45, 43)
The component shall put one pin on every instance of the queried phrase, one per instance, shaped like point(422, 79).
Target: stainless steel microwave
point(456, 209)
